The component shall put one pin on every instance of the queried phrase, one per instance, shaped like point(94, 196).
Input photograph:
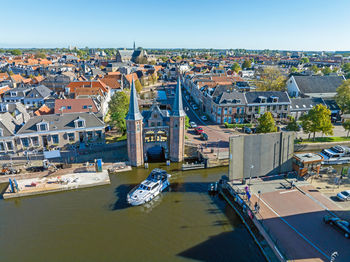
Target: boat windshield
point(144, 187)
point(337, 149)
point(326, 153)
point(345, 193)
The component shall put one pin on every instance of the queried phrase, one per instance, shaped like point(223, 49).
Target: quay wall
point(318, 146)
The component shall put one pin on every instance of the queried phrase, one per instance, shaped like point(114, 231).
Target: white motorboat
point(152, 186)
point(336, 155)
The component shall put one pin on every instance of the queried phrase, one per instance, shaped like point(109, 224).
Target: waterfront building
point(155, 129)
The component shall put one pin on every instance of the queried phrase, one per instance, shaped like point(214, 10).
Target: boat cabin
point(307, 163)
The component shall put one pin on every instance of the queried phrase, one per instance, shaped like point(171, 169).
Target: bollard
point(146, 165)
point(168, 162)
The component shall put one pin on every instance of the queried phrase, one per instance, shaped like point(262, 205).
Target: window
point(230, 110)
point(55, 139)
point(152, 124)
point(225, 111)
point(80, 123)
point(35, 141)
point(280, 107)
point(42, 127)
point(9, 145)
point(85, 107)
point(273, 108)
point(25, 142)
point(69, 107)
point(71, 137)
point(158, 124)
point(2, 146)
point(230, 120)
point(89, 134)
point(99, 133)
point(219, 110)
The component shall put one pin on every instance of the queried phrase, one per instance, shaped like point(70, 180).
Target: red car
point(199, 130)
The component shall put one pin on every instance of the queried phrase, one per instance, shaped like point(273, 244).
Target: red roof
point(43, 110)
point(4, 89)
point(75, 105)
point(73, 86)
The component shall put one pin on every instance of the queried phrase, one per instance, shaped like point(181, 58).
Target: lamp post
point(250, 175)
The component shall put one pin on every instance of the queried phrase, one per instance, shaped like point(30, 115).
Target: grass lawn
point(324, 139)
point(112, 139)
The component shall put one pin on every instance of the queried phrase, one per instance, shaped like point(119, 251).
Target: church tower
point(177, 127)
point(134, 130)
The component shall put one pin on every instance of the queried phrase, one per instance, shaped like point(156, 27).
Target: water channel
point(96, 224)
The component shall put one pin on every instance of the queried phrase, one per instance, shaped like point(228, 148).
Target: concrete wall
point(269, 154)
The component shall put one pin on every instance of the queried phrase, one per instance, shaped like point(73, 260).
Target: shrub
point(227, 125)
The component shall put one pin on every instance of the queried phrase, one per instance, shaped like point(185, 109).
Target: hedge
point(227, 125)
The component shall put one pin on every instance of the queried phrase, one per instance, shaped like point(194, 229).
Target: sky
point(322, 25)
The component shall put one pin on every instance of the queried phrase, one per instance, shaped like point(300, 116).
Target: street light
point(250, 175)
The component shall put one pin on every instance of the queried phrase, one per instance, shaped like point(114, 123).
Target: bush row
point(227, 125)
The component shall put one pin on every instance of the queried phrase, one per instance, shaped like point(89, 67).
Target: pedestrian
point(292, 184)
point(256, 207)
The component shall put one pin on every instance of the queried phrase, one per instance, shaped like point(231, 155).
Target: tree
point(141, 60)
point(187, 122)
point(16, 52)
point(346, 68)
point(346, 126)
point(326, 70)
point(343, 97)
point(314, 69)
point(293, 69)
point(317, 120)
point(246, 64)
point(138, 86)
point(292, 125)
point(153, 78)
point(266, 123)
point(118, 109)
point(271, 79)
point(305, 60)
point(235, 67)
point(41, 55)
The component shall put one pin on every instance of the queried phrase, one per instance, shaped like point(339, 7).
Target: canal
point(96, 224)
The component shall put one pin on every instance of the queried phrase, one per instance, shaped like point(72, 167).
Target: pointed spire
point(134, 112)
point(177, 107)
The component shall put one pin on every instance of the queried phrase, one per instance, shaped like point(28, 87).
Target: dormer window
point(13, 94)
point(274, 99)
point(79, 123)
point(262, 99)
point(42, 126)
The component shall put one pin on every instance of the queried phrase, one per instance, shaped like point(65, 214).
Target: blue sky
point(253, 24)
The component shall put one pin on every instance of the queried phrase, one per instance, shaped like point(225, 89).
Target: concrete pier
point(44, 185)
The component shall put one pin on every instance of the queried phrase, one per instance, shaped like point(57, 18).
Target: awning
point(52, 154)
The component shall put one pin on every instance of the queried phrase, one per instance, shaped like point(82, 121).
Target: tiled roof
point(75, 105)
point(254, 97)
point(318, 84)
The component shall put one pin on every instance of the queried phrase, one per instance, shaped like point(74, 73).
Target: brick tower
point(177, 127)
point(134, 130)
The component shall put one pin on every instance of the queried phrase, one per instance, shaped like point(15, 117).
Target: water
point(96, 224)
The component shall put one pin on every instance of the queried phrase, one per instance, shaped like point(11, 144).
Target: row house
point(59, 131)
point(276, 102)
point(228, 107)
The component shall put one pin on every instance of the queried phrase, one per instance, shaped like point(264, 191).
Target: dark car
point(247, 130)
point(342, 225)
point(204, 136)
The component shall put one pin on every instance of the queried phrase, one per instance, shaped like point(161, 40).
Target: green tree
point(16, 52)
point(153, 78)
point(317, 120)
point(293, 69)
point(343, 97)
point(346, 68)
point(187, 122)
point(235, 67)
point(138, 86)
point(346, 126)
point(118, 109)
point(41, 55)
point(292, 125)
point(271, 79)
point(326, 70)
point(305, 60)
point(246, 64)
point(266, 123)
point(314, 69)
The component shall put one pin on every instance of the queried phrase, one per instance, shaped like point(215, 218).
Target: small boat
point(336, 155)
point(152, 186)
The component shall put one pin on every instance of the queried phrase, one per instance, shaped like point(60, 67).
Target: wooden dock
point(45, 185)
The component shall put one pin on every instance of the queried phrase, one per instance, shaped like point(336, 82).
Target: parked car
point(344, 195)
point(193, 124)
point(341, 225)
point(247, 130)
point(204, 136)
point(199, 130)
point(204, 118)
